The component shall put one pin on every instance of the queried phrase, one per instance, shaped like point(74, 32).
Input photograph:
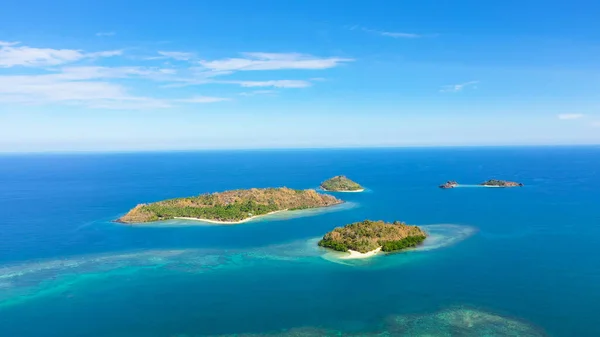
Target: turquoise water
point(513, 262)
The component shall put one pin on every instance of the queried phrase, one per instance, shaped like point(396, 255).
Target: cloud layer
point(273, 61)
point(13, 54)
point(396, 35)
point(74, 76)
point(458, 87)
point(570, 116)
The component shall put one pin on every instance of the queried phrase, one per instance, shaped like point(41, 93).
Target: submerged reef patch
point(455, 322)
point(27, 281)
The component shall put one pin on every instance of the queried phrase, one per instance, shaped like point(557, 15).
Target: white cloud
point(108, 53)
point(570, 116)
point(54, 89)
point(39, 90)
point(100, 34)
point(96, 72)
point(60, 78)
point(458, 87)
point(131, 103)
point(177, 55)
point(396, 35)
point(258, 92)
point(86, 86)
point(273, 61)
point(596, 124)
point(273, 83)
point(12, 54)
point(203, 99)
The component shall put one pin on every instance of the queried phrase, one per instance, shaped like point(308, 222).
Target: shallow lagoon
point(34, 280)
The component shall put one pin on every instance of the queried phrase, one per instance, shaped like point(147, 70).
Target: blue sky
point(143, 75)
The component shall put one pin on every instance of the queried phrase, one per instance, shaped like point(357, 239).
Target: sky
point(182, 75)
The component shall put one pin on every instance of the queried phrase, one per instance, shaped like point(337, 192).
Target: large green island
point(366, 238)
point(230, 206)
point(341, 184)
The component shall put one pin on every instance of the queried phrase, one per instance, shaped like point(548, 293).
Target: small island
point(500, 183)
point(341, 184)
point(229, 207)
point(367, 238)
point(449, 184)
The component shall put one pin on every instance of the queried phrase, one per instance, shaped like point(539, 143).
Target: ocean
point(500, 262)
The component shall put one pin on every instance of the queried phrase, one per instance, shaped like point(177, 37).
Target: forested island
point(341, 184)
point(371, 236)
point(230, 206)
point(501, 183)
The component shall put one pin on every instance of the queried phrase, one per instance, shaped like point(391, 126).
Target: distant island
point(341, 184)
point(501, 183)
point(229, 207)
point(489, 183)
point(449, 184)
point(366, 238)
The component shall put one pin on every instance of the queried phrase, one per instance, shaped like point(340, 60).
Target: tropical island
point(489, 183)
point(449, 184)
point(367, 238)
point(341, 184)
point(229, 207)
point(500, 183)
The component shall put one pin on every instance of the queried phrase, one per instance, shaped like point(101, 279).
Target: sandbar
point(358, 255)
point(355, 191)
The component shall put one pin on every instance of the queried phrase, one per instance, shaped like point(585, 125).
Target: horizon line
point(279, 149)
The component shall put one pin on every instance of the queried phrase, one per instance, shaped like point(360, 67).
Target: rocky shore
point(449, 184)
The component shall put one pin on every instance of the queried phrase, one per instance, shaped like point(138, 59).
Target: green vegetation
point(340, 183)
point(368, 235)
point(411, 241)
point(234, 205)
point(232, 212)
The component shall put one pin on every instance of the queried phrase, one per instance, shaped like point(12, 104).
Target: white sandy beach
point(229, 222)
point(356, 191)
point(358, 255)
point(276, 215)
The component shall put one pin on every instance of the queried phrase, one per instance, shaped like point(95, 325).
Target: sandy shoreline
point(165, 222)
point(358, 255)
point(355, 191)
point(229, 222)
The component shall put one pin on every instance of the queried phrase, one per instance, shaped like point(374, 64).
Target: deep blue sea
point(500, 262)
